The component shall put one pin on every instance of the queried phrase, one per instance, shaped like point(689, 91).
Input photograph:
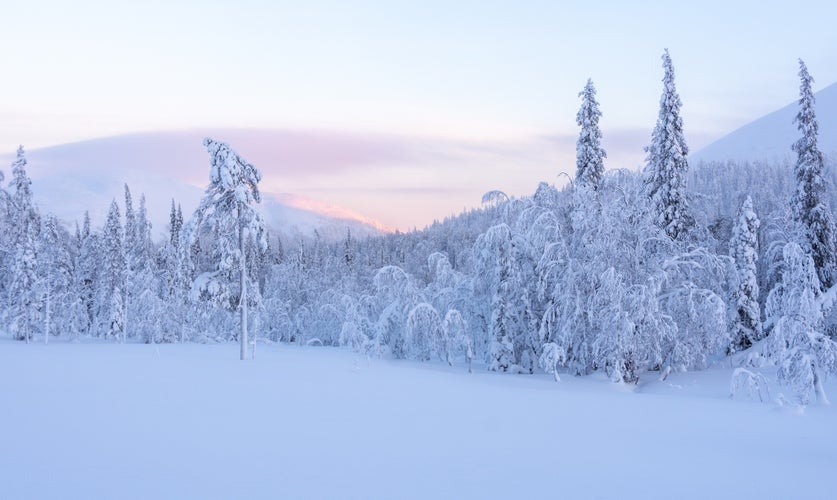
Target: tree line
point(623, 272)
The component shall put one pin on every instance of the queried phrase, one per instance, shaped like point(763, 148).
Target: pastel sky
point(495, 82)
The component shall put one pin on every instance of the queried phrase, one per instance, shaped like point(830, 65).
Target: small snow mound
point(782, 403)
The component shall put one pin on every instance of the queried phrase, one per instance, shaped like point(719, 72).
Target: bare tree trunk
point(243, 300)
point(47, 318)
point(821, 397)
point(125, 315)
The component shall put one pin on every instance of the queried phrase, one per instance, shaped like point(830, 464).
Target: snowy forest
point(671, 268)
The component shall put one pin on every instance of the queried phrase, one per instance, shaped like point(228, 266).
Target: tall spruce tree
point(174, 281)
point(24, 294)
point(175, 225)
point(87, 274)
point(588, 150)
point(24, 208)
point(6, 245)
point(143, 249)
point(129, 243)
point(53, 269)
point(24, 226)
point(130, 225)
point(226, 214)
point(112, 284)
point(810, 209)
point(147, 307)
point(666, 164)
point(76, 316)
point(348, 249)
point(743, 248)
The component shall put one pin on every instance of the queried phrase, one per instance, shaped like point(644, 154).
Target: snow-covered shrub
point(425, 335)
point(395, 296)
point(355, 333)
point(505, 275)
point(615, 347)
point(797, 344)
point(701, 318)
point(552, 357)
point(456, 336)
point(745, 384)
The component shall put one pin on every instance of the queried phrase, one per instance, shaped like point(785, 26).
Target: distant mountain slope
point(770, 137)
point(71, 178)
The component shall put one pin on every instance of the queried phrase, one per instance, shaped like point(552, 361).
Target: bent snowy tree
point(225, 222)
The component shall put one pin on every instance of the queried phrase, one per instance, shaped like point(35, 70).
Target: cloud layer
point(402, 181)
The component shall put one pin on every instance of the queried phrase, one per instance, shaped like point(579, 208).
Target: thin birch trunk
point(243, 303)
point(47, 318)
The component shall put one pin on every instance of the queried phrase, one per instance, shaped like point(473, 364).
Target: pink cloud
point(402, 181)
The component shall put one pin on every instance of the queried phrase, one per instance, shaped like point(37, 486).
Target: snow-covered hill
point(71, 178)
point(770, 137)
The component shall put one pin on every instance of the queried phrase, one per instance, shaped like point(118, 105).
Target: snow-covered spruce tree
point(174, 282)
point(143, 245)
point(111, 288)
point(54, 275)
point(589, 157)
point(129, 242)
point(666, 165)
point(76, 316)
point(588, 150)
point(810, 208)
point(130, 223)
point(143, 284)
point(6, 246)
point(744, 249)
point(348, 249)
point(175, 224)
point(797, 344)
point(296, 283)
point(87, 275)
point(24, 294)
point(21, 186)
point(279, 251)
point(22, 219)
point(225, 219)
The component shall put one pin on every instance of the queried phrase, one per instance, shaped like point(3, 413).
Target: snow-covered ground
point(95, 420)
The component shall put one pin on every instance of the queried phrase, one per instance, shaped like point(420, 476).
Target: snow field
point(104, 420)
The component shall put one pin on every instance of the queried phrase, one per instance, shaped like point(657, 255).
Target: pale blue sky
point(504, 72)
